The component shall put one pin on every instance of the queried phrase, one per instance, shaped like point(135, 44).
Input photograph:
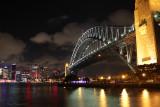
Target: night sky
point(45, 32)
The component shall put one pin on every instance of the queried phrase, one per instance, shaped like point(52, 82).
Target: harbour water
point(53, 96)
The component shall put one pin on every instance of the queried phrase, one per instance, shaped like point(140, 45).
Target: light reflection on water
point(124, 99)
point(28, 96)
point(145, 98)
point(102, 98)
point(80, 96)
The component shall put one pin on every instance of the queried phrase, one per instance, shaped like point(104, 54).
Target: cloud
point(121, 17)
point(10, 46)
point(70, 34)
point(41, 38)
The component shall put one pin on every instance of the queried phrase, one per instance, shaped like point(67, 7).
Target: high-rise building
point(13, 71)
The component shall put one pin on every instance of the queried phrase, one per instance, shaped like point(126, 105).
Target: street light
point(143, 74)
point(109, 77)
point(66, 66)
point(123, 76)
point(101, 78)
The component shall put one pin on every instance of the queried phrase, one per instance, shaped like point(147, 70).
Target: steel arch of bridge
point(98, 38)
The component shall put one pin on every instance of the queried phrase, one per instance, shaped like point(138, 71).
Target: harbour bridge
point(100, 38)
point(137, 45)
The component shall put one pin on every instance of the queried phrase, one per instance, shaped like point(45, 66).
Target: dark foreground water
point(53, 96)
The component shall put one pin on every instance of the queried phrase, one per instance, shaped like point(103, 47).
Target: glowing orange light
point(66, 65)
point(101, 77)
point(109, 77)
point(123, 76)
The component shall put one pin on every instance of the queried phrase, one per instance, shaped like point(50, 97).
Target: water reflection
point(28, 95)
point(155, 99)
point(102, 98)
point(145, 98)
point(124, 99)
point(55, 91)
point(55, 98)
point(80, 96)
point(80, 93)
point(94, 92)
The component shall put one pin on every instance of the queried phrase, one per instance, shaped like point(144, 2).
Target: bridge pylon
point(147, 24)
point(147, 28)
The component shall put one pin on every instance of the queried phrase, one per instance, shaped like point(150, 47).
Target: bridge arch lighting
point(99, 55)
point(109, 42)
point(122, 35)
point(95, 40)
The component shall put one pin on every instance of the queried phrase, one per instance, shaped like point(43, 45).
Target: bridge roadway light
point(122, 35)
point(115, 39)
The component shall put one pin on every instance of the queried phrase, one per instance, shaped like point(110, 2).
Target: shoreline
point(88, 85)
point(123, 85)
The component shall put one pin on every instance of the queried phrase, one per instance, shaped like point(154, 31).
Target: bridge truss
point(119, 40)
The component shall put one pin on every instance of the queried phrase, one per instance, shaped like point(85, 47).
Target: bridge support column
point(146, 37)
point(121, 51)
point(129, 53)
